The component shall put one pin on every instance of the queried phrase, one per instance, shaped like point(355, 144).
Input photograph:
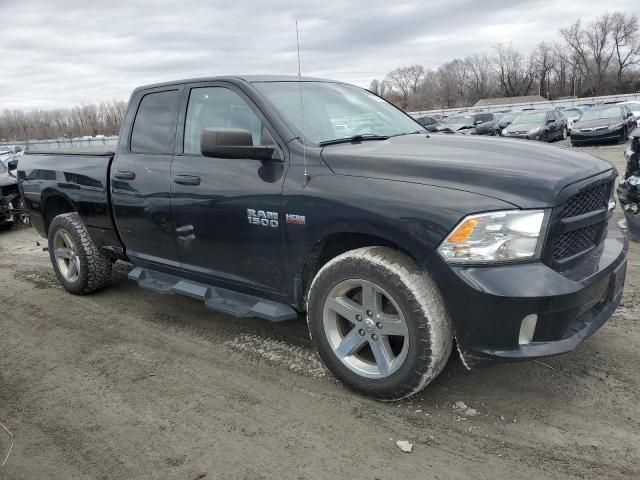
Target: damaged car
point(629, 187)
point(11, 205)
point(464, 124)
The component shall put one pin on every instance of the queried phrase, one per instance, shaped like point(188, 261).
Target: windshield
point(600, 113)
point(460, 120)
point(508, 117)
point(484, 117)
point(572, 112)
point(335, 111)
point(524, 118)
point(634, 107)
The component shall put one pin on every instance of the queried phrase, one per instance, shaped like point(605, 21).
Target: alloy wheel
point(365, 328)
point(66, 255)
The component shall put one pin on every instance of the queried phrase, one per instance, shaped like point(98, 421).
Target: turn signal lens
point(463, 231)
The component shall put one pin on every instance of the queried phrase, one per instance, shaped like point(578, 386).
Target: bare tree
point(406, 80)
point(543, 61)
point(626, 40)
point(591, 50)
point(104, 118)
point(514, 71)
point(480, 80)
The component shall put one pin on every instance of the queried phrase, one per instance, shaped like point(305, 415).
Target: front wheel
point(545, 137)
point(379, 323)
point(78, 264)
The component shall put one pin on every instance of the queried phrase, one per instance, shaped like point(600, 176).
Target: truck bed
point(61, 181)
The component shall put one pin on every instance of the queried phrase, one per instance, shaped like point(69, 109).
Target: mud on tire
point(430, 334)
point(95, 268)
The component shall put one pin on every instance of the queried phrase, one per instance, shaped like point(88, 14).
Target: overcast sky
point(57, 53)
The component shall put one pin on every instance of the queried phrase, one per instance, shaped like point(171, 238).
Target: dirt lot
point(126, 384)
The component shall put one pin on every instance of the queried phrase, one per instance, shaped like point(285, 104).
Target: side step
point(215, 298)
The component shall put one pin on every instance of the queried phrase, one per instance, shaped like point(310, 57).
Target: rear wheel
point(563, 135)
point(79, 265)
point(379, 323)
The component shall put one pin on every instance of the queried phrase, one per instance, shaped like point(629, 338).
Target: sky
point(61, 53)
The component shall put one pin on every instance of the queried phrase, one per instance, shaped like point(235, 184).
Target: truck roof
point(245, 78)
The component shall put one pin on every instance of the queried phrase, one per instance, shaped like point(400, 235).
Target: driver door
point(216, 201)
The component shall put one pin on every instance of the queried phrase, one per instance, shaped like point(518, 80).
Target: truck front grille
point(587, 201)
point(575, 242)
point(571, 240)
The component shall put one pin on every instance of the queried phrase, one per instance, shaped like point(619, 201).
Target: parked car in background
point(603, 124)
point(11, 204)
point(11, 150)
point(505, 120)
point(429, 123)
point(542, 125)
point(486, 123)
point(457, 124)
point(635, 109)
point(572, 114)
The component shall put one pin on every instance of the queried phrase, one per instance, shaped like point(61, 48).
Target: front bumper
point(599, 136)
point(488, 304)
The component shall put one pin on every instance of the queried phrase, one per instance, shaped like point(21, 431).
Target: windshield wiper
point(354, 139)
point(409, 133)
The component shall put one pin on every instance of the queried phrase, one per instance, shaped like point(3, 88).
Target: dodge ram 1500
point(276, 197)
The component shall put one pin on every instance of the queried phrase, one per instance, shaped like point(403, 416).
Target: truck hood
point(525, 174)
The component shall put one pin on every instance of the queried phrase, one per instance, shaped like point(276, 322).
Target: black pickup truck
point(271, 197)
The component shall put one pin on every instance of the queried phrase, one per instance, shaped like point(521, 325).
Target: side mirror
point(12, 165)
point(233, 143)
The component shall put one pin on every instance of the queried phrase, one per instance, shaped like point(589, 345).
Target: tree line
point(587, 59)
point(94, 119)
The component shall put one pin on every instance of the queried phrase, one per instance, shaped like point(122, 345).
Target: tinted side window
point(153, 128)
point(219, 107)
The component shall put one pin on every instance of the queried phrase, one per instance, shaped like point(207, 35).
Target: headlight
point(495, 237)
point(534, 131)
point(615, 127)
point(504, 132)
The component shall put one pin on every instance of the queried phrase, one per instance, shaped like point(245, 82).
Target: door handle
point(187, 179)
point(125, 175)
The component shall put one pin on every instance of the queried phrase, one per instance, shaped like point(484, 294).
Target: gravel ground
point(125, 384)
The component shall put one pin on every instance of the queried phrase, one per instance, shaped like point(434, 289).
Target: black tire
point(95, 268)
point(563, 135)
point(545, 137)
point(430, 334)
point(5, 226)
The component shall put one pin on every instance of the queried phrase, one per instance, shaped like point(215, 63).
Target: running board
point(216, 298)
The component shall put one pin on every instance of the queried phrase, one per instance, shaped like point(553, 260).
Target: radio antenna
point(304, 148)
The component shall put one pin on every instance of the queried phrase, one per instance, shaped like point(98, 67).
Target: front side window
point(219, 107)
point(154, 127)
point(325, 111)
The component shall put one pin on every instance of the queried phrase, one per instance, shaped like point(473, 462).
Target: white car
point(11, 150)
point(572, 114)
point(635, 109)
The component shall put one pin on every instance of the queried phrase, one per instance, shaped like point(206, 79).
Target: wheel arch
point(329, 247)
point(55, 203)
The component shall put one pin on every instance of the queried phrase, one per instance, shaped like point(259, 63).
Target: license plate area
point(617, 281)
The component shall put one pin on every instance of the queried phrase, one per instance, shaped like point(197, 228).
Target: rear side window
point(154, 126)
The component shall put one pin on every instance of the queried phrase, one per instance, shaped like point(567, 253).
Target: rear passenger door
point(228, 211)
point(141, 180)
